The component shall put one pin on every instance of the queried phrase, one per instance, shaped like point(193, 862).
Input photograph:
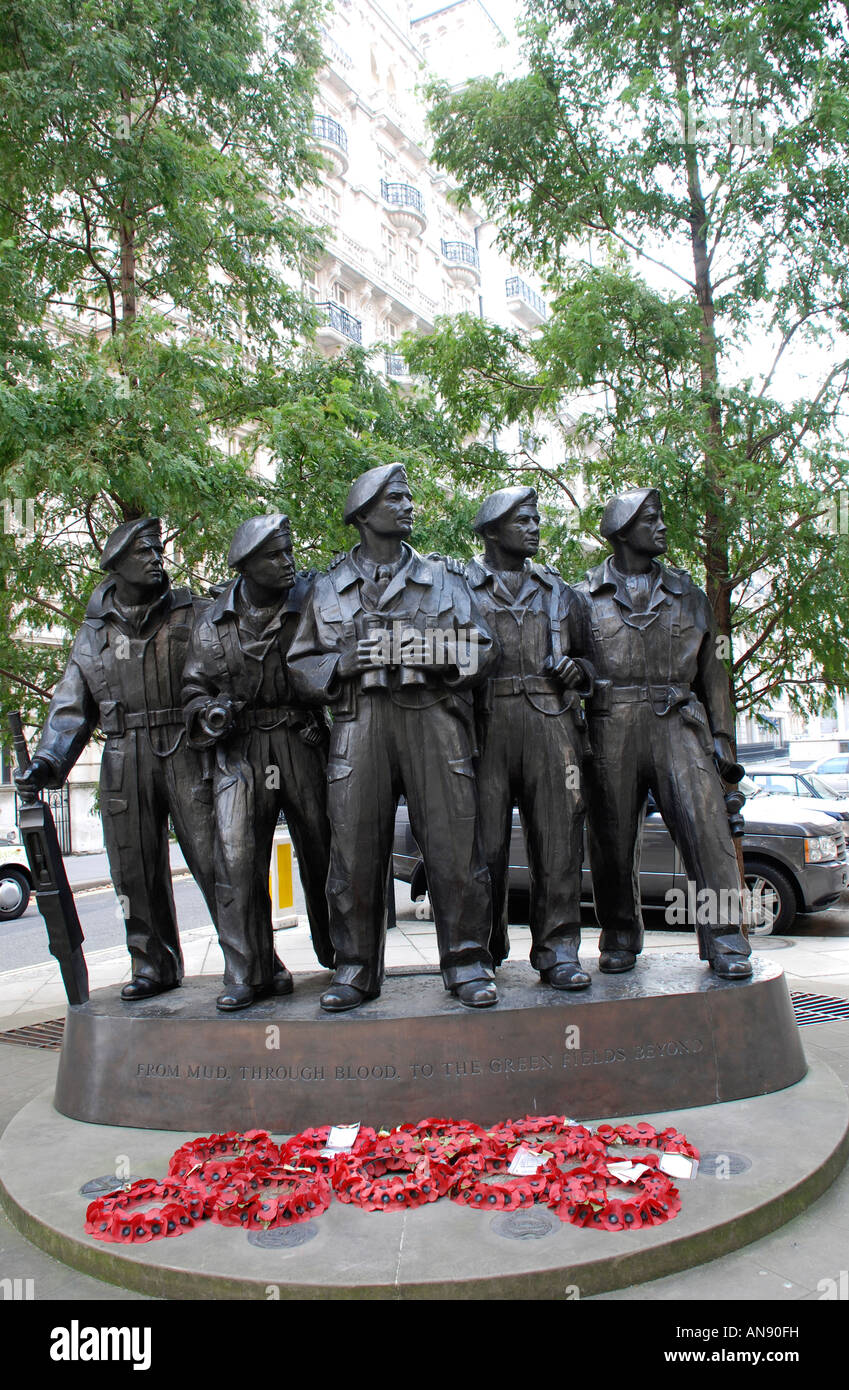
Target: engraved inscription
point(454, 1069)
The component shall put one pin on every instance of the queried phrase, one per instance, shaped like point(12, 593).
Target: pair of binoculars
point(378, 678)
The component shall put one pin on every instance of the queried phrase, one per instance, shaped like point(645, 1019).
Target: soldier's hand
point(312, 735)
point(729, 769)
point(567, 672)
point(35, 779)
point(368, 655)
point(217, 718)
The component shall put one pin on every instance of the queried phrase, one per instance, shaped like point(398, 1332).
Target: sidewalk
point(92, 870)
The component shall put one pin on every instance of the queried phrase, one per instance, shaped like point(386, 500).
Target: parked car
point(795, 860)
point(15, 883)
point(835, 769)
point(789, 781)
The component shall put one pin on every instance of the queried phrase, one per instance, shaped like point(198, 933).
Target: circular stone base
point(668, 1034)
point(765, 1160)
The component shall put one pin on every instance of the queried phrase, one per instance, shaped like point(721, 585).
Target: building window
point(331, 202)
point(340, 295)
point(390, 243)
point(5, 767)
point(411, 256)
point(385, 162)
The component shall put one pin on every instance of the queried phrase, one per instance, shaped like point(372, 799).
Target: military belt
point(114, 719)
point(628, 694)
point(662, 698)
point(266, 717)
point(532, 685)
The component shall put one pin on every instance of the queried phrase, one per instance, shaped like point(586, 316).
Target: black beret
point(124, 535)
point(253, 534)
point(365, 488)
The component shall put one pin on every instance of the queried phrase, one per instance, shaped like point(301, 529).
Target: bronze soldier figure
point(530, 731)
point(124, 677)
point(269, 754)
point(660, 720)
point(382, 641)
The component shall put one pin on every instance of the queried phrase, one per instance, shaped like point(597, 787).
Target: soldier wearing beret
point(124, 678)
point(270, 754)
point(530, 730)
point(660, 721)
point(394, 644)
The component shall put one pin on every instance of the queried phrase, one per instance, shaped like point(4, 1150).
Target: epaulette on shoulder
point(450, 563)
point(306, 575)
point(549, 569)
point(337, 559)
point(682, 574)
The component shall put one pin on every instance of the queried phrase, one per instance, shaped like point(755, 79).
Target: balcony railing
point(402, 195)
point(515, 288)
point(335, 317)
point(460, 253)
point(395, 365)
point(323, 128)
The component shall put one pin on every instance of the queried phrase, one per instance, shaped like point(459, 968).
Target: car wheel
point(772, 897)
point(14, 894)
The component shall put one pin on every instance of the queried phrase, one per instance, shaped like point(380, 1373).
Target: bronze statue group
point(468, 689)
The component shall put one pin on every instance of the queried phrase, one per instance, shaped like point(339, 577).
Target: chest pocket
point(607, 622)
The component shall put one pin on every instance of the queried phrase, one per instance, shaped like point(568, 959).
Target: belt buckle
point(666, 691)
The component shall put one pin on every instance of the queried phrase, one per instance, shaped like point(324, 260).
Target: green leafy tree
point(147, 152)
point(325, 421)
point(677, 173)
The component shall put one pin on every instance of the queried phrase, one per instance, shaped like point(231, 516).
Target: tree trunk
point(715, 535)
point(127, 234)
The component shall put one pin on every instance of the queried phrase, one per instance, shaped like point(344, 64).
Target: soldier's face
point(391, 514)
point(141, 564)
point(518, 533)
point(647, 533)
point(272, 567)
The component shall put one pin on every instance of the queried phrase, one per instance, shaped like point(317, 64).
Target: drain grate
point(818, 1008)
point(47, 1035)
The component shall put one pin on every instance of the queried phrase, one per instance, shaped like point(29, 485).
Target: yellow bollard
point(280, 884)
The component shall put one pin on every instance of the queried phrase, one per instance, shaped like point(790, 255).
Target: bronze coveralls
point(530, 733)
point(410, 734)
point(124, 676)
point(661, 694)
point(259, 768)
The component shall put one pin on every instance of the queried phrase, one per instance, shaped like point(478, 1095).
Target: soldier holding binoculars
point(382, 641)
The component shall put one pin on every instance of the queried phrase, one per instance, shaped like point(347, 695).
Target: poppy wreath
point(304, 1150)
point(581, 1197)
point(552, 1132)
point(655, 1198)
point(208, 1162)
point(472, 1188)
point(258, 1198)
point(112, 1217)
point(393, 1183)
point(442, 1140)
point(644, 1135)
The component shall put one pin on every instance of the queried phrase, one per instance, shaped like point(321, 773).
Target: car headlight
point(820, 849)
